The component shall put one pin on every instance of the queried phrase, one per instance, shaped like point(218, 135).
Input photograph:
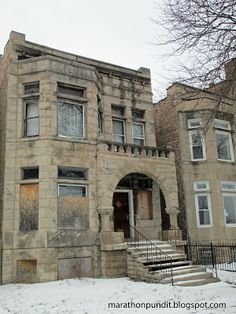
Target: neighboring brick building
point(77, 140)
point(200, 126)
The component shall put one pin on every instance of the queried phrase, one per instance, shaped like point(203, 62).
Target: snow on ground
point(91, 296)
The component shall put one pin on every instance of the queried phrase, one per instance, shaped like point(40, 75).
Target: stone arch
point(167, 185)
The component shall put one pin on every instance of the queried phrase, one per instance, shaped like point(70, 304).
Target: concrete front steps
point(158, 267)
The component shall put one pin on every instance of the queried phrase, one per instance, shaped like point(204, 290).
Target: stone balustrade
point(136, 150)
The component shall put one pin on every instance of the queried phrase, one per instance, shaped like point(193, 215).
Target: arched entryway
point(138, 201)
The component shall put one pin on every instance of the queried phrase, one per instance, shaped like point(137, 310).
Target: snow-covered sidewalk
point(92, 296)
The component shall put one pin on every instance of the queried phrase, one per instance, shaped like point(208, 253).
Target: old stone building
point(79, 165)
point(200, 126)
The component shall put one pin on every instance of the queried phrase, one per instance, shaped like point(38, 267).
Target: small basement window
point(30, 173)
point(31, 88)
point(72, 173)
point(71, 90)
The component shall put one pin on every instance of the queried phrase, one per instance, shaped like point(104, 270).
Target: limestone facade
point(77, 143)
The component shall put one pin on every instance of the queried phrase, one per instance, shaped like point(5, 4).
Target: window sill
point(30, 138)
point(226, 161)
point(198, 160)
point(230, 225)
point(30, 181)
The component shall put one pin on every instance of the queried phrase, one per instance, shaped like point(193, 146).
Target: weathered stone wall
point(46, 237)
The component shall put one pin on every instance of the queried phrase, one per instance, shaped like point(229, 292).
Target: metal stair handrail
point(151, 250)
point(190, 244)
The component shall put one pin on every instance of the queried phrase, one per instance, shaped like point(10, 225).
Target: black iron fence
point(153, 255)
point(212, 255)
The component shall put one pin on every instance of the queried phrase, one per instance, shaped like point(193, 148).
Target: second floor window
point(70, 120)
point(197, 145)
point(118, 130)
point(31, 121)
point(224, 140)
point(138, 133)
point(224, 145)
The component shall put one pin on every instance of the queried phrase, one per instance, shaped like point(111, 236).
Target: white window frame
point(222, 124)
point(230, 145)
point(233, 184)
point(196, 189)
point(144, 134)
point(191, 146)
point(199, 120)
point(71, 184)
point(228, 192)
point(207, 194)
point(26, 118)
point(67, 102)
point(232, 195)
point(124, 128)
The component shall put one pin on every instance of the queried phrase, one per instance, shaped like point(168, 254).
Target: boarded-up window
point(29, 207)
point(26, 271)
point(72, 206)
point(74, 267)
point(144, 205)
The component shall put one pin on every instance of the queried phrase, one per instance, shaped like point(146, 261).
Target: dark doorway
point(121, 213)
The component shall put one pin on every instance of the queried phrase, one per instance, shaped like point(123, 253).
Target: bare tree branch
point(206, 31)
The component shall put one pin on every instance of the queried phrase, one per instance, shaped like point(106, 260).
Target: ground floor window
point(203, 208)
point(203, 204)
point(73, 206)
point(229, 201)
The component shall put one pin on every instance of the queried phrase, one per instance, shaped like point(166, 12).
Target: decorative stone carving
point(173, 212)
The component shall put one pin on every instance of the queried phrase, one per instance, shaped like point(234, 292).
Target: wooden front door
point(121, 212)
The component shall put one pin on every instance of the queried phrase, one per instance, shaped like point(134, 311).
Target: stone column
point(173, 212)
point(105, 218)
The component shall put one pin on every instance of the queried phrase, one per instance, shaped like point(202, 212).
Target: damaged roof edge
point(19, 38)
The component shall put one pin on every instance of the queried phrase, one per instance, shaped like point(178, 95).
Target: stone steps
point(157, 269)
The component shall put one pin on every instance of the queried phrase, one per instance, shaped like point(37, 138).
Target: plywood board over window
point(144, 205)
point(26, 271)
point(72, 207)
point(74, 267)
point(29, 205)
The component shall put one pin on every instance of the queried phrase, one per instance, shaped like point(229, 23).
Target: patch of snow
point(91, 296)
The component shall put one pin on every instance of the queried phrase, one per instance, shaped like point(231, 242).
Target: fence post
point(189, 250)
point(212, 256)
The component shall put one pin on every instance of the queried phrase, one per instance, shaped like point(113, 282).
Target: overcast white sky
point(115, 31)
